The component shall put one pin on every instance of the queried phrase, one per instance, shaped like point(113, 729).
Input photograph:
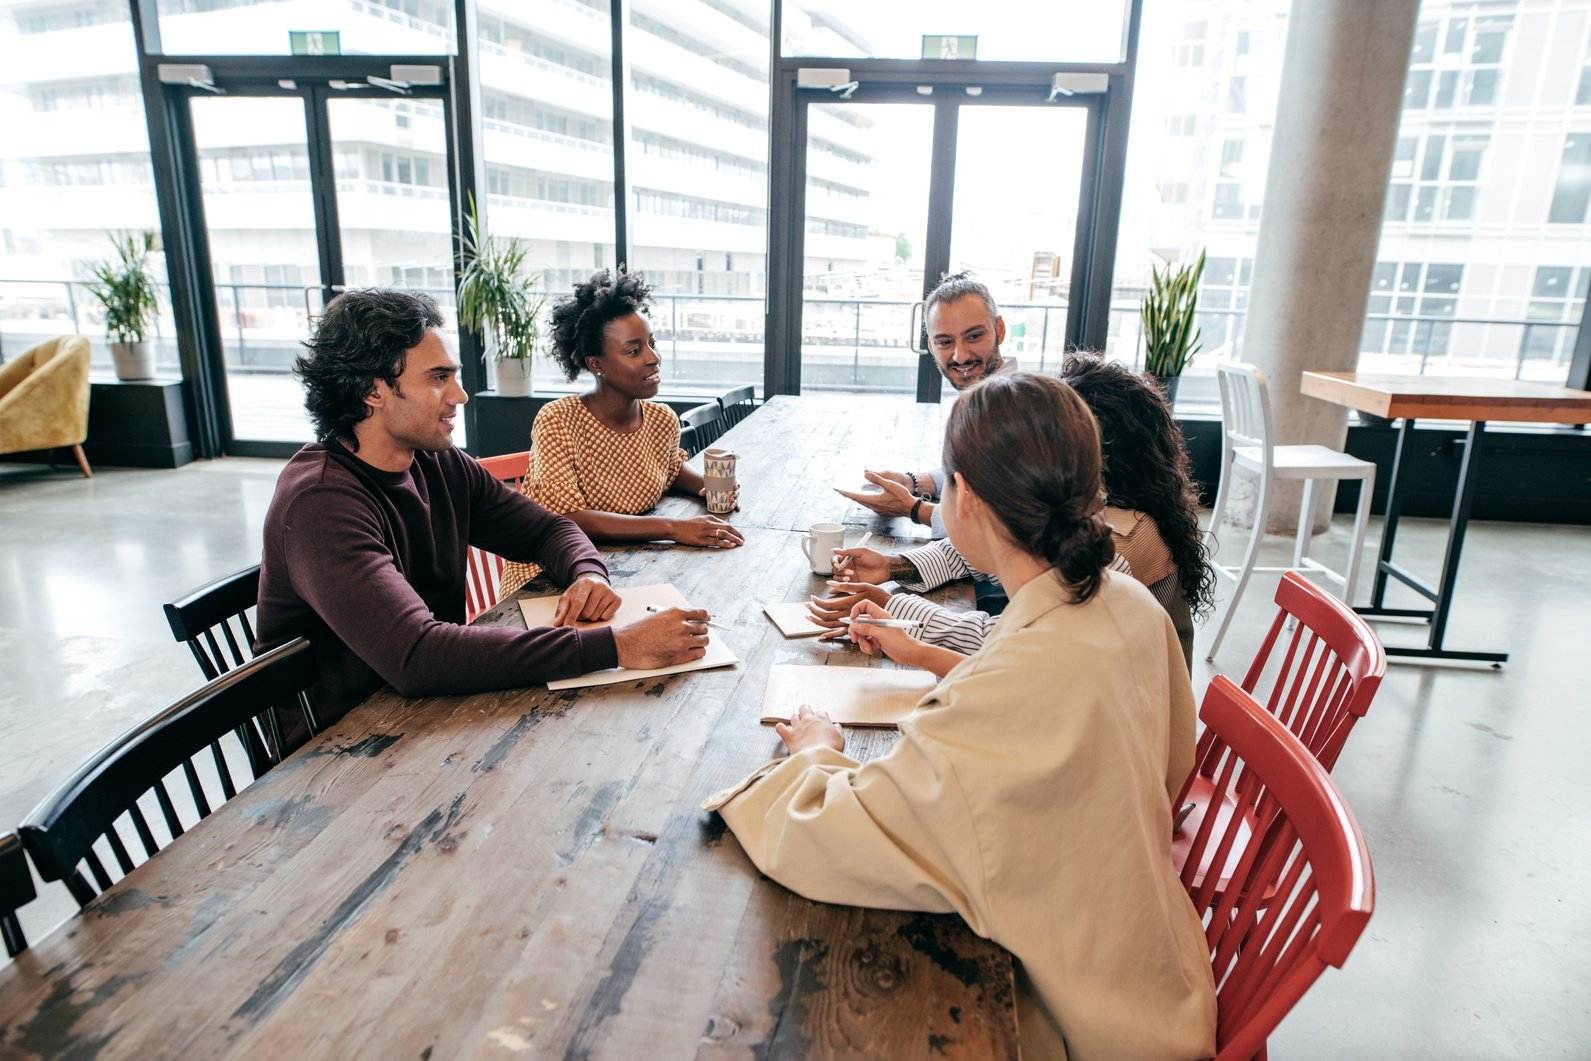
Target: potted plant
point(1171, 331)
point(497, 301)
point(125, 286)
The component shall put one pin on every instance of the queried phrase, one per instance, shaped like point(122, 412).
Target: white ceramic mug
point(819, 544)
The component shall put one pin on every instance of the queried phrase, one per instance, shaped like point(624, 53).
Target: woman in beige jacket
point(1031, 791)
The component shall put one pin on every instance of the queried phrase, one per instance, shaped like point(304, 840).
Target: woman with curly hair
point(1030, 791)
point(606, 458)
point(1151, 506)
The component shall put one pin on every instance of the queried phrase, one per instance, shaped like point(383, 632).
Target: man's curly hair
point(579, 320)
point(359, 338)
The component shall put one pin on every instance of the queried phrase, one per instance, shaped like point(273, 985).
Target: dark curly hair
point(1028, 446)
point(579, 320)
point(359, 338)
point(1146, 464)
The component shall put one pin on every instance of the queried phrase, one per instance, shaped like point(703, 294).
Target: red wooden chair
point(1320, 686)
point(1293, 903)
point(483, 569)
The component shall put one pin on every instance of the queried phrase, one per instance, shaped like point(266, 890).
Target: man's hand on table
point(588, 598)
point(896, 499)
point(677, 635)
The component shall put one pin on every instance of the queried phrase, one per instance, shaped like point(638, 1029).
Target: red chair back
point(482, 569)
point(1294, 902)
point(1329, 670)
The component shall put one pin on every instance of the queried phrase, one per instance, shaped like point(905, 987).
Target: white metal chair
point(1246, 445)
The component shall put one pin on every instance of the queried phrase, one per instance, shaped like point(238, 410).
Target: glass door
point(307, 190)
point(903, 184)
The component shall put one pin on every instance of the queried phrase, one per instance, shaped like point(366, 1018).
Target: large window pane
point(1009, 30)
point(265, 27)
point(867, 218)
point(254, 176)
point(698, 173)
point(547, 122)
point(74, 164)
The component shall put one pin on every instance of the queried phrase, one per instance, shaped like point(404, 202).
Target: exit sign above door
point(942, 46)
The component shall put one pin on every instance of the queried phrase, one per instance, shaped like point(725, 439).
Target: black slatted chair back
point(738, 404)
point(705, 424)
point(126, 792)
point(16, 891)
point(213, 621)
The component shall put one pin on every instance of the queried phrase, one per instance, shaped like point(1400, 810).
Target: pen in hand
point(654, 609)
point(893, 624)
point(845, 560)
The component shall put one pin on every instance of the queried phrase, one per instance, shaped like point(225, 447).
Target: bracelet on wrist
point(917, 507)
point(913, 477)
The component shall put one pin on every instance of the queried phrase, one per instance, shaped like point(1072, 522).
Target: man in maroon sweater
point(365, 539)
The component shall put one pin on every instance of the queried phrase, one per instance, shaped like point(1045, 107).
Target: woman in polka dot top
point(605, 458)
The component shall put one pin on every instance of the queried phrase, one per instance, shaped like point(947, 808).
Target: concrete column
point(1336, 127)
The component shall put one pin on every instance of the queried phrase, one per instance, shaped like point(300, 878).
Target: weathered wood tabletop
point(528, 873)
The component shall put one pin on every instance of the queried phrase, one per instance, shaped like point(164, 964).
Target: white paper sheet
point(538, 611)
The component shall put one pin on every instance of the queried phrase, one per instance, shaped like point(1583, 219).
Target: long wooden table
point(1410, 398)
point(528, 873)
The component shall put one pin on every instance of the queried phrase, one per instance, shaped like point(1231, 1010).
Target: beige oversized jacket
point(1031, 794)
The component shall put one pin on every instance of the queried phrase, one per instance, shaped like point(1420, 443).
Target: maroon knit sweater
point(370, 565)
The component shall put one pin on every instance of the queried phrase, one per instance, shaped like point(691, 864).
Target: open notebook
point(538, 611)
point(792, 619)
point(853, 696)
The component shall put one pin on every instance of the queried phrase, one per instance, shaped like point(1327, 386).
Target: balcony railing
point(859, 343)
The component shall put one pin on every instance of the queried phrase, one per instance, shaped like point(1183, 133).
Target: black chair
point(63, 831)
point(704, 424)
point(738, 404)
point(222, 608)
point(16, 891)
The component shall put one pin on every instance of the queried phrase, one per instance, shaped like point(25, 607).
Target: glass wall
point(270, 27)
point(698, 170)
point(1481, 263)
point(74, 166)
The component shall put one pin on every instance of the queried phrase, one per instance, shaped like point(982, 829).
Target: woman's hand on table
point(810, 728)
point(862, 565)
point(707, 532)
point(677, 635)
point(832, 611)
point(588, 598)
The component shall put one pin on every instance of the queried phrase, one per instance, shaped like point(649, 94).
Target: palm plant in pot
point(1170, 326)
point(125, 286)
point(498, 302)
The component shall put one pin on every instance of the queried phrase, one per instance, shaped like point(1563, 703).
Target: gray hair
point(955, 287)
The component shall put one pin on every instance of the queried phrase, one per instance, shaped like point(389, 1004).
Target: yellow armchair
point(44, 398)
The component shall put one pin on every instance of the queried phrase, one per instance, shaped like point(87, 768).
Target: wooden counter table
point(528, 873)
point(1443, 398)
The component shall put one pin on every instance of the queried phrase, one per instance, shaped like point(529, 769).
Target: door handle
point(917, 341)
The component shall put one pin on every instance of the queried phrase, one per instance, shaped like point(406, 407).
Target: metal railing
point(701, 334)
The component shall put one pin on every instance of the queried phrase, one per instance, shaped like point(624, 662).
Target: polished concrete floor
point(1467, 782)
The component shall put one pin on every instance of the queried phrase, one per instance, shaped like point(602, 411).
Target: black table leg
point(1441, 596)
point(1389, 525)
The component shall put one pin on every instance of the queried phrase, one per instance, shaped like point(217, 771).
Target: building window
point(1557, 297)
point(1439, 178)
point(1467, 72)
point(1417, 296)
point(1573, 192)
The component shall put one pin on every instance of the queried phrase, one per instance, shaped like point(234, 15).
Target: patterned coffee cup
point(718, 470)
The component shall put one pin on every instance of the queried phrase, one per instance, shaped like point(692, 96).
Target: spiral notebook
point(852, 696)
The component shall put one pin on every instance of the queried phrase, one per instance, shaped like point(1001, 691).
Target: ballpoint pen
point(893, 624)
point(844, 560)
point(654, 609)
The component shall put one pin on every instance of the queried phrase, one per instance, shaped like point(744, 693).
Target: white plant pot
point(134, 360)
point(513, 377)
